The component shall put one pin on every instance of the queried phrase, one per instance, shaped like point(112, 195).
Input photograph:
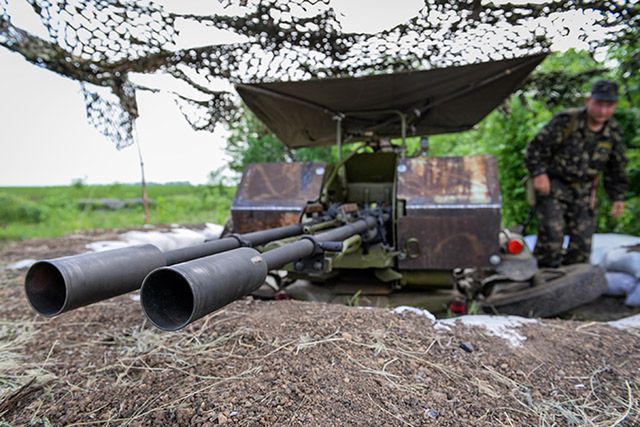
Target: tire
point(572, 286)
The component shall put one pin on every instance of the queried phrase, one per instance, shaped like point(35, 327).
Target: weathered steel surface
point(274, 194)
point(438, 182)
point(452, 211)
point(448, 239)
point(249, 221)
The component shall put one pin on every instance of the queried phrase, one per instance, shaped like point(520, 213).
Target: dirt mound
point(295, 363)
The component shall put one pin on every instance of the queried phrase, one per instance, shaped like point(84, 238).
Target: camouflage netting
point(102, 43)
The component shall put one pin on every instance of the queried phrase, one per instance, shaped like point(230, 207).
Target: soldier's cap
point(604, 90)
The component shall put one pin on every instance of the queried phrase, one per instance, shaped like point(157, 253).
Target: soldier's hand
point(541, 184)
point(617, 208)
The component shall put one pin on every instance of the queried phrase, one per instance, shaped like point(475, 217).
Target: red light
point(514, 247)
point(457, 307)
point(282, 295)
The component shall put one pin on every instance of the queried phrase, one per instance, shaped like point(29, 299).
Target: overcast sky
point(45, 138)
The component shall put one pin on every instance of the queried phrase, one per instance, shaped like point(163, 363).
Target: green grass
point(33, 212)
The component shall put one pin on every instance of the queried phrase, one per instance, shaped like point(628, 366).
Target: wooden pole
point(143, 182)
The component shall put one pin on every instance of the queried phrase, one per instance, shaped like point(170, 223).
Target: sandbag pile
point(623, 273)
point(619, 256)
point(166, 241)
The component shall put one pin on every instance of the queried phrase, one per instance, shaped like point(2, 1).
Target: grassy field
point(30, 212)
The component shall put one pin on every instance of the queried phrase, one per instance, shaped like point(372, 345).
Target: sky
point(45, 138)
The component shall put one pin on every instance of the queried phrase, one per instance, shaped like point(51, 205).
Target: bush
point(629, 120)
point(17, 209)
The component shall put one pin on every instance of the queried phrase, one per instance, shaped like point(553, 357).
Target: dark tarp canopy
point(304, 113)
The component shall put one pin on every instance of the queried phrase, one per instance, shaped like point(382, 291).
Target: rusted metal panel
point(274, 194)
point(446, 239)
point(452, 211)
point(248, 221)
point(448, 182)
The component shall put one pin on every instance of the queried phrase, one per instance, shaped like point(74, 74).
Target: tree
point(251, 142)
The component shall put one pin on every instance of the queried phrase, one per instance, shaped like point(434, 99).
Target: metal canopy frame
point(405, 118)
point(338, 116)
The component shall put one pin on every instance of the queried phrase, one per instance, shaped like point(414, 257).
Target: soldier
point(565, 160)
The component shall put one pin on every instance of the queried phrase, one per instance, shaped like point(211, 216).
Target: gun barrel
point(279, 257)
point(173, 297)
point(62, 284)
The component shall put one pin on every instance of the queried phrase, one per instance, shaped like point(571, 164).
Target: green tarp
point(303, 113)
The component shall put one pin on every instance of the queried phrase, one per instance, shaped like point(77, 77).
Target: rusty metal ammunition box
point(451, 211)
point(275, 194)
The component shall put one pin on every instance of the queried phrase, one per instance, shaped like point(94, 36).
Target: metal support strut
point(338, 118)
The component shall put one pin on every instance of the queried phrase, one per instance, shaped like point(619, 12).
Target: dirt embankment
point(294, 363)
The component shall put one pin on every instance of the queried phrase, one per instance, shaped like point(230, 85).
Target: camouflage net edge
point(101, 42)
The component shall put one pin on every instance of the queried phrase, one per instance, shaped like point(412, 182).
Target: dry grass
point(600, 407)
point(18, 378)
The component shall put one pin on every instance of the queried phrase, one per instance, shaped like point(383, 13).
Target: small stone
point(346, 379)
point(222, 418)
point(431, 413)
point(466, 346)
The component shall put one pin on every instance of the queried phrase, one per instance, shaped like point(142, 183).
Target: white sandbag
point(633, 299)
point(602, 243)
point(619, 284)
point(212, 231)
point(183, 237)
point(106, 245)
point(156, 238)
point(177, 238)
point(621, 259)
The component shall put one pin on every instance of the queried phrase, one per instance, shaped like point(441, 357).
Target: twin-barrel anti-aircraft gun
point(180, 286)
point(386, 227)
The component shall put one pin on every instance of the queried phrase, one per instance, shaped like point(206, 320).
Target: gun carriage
point(381, 226)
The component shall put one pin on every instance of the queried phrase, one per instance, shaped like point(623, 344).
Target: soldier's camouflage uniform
point(573, 156)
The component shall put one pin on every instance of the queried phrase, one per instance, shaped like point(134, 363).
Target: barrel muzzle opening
point(46, 289)
point(167, 299)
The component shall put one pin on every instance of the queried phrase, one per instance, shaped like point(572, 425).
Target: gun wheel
point(555, 291)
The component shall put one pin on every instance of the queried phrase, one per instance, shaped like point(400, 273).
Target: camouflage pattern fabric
point(573, 156)
point(581, 155)
point(566, 209)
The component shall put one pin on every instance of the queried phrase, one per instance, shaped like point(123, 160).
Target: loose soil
point(296, 363)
